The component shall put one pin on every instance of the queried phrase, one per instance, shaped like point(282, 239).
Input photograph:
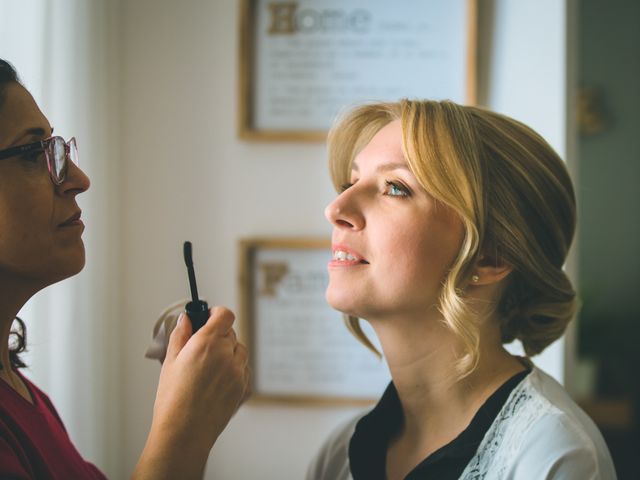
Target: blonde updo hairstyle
point(513, 195)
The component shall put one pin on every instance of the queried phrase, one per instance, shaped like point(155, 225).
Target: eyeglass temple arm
point(19, 150)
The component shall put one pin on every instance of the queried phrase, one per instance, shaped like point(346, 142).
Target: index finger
point(220, 321)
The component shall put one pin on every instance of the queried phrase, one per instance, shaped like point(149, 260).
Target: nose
point(76, 181)
point(344, 211)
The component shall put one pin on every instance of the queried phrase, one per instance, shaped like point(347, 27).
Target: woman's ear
point(489, 270)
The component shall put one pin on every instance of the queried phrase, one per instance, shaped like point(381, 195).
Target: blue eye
point(396, 189)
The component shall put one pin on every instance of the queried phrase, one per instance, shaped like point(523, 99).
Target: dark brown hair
point(8, 74)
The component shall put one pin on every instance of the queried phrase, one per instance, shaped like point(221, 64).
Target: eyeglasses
point(57, 152)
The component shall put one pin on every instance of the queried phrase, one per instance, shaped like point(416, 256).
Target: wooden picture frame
point(303, 62)
point(299, 348)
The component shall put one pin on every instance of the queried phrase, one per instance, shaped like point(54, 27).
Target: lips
point(73, 220)
point(346, 256)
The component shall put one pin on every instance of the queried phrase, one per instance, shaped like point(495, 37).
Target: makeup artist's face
point(392, 242)
point(38, 245)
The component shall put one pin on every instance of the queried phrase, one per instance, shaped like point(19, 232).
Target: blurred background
point(608, 172)
point(149, 88)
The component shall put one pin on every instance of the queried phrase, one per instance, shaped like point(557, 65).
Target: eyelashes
point(397, 189)
point(393, 188)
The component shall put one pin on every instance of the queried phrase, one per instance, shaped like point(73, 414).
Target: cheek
point(25, 226)
point(425, 252)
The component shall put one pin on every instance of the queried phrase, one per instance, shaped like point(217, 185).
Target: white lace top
point(539, 434)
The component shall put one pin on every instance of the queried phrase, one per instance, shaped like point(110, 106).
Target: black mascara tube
point(197, 309)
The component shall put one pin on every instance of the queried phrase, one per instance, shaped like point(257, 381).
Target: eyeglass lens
point(59, 156)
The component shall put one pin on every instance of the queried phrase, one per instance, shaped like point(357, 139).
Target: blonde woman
point(451, 228)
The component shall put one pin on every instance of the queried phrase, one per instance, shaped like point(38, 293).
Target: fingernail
point(180, 317)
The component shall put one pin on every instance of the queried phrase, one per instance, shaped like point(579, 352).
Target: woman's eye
point(33, 157)
point(395, 189)
point(345, 186)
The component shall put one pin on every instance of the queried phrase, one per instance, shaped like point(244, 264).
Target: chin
point(68, 266)
point(76, 268)
point(77, 264)
point(341, 301)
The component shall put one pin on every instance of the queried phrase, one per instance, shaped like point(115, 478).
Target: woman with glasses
point(204, 377)
point(450, 231)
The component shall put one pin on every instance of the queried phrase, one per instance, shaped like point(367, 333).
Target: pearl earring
point(475, 278)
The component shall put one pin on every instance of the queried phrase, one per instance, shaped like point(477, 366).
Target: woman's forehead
point(20, 116)
point(383, 151)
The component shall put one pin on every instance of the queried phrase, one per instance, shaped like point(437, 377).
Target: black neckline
point(369, 443)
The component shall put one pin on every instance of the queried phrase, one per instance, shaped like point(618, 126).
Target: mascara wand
point(197, 309)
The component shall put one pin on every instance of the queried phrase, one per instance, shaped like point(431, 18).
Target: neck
point(14, 295)
point(421, 354)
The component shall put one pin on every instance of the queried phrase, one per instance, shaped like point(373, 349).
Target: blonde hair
point(513, 195)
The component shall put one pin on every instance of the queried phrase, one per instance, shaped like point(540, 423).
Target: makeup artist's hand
point(203, 381)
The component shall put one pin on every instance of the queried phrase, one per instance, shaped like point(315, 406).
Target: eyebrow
point(37, 131)
point(385, 167)
point(34, 131)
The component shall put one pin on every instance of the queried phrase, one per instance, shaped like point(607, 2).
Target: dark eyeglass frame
point(57, 177)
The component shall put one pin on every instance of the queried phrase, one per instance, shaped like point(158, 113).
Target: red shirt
point(33, 441)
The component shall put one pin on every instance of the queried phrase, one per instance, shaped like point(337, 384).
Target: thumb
point(179, 337)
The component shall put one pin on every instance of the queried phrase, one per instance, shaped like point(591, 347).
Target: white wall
point(186, 176)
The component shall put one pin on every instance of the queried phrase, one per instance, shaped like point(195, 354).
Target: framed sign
point(303, 61)
point(299, 348)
